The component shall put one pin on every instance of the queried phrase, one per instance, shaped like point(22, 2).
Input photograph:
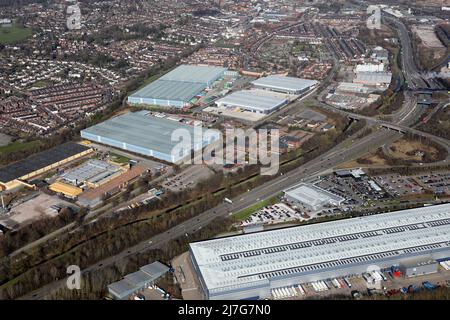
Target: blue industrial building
point(179, 87)
point(141, 133)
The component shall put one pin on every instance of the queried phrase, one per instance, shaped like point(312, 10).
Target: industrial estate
point(92, 116)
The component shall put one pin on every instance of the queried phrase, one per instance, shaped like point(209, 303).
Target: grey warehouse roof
point(194, 73)
point(251, 100)
point(40, 160)
point(140, 129)
point(170, 90)
point(137, 280)
point(93, 171)
point(313, 195)
point(373, 77)
point(239, 261)
point(181, 84)
point(284, 83)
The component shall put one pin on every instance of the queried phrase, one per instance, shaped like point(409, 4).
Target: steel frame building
point(137, 281)
point(312, 196)
point(179, 87)
point(17, 173)
point(251, 100)
point(288, 85)
point(249, 266)
point(141, 133)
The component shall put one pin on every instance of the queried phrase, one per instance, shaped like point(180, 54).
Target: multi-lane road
point(339, 154)
point(344, 152)
point(415, 78)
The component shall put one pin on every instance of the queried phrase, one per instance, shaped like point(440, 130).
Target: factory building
point(252, 101)
point(18, 173)
point(312, 197)
point(143, 134)
point(135, 282)
point(93, 173)
point(289, 85)
point(178, 88)
point(68, 190)
point(94, 197)
point(373, 78)
point(251, 265)
point(370, 67)
point(349, 87)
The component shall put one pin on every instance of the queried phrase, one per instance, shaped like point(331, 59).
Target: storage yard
point(178, 88)
point(252, 265)
point(37, 206)
point(143, 134)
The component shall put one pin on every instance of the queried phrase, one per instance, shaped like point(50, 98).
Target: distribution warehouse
point(179, 87)
point(250, 266)
point(251, 100)
point(141, 133)
point(285, 84)
point(312, 197)
point(19, 172)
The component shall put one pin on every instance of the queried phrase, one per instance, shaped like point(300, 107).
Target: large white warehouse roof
point(252, 100)
point(241, 261)
point(285, 83)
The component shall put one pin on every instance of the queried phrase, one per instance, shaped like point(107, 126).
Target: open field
point(428, 36)
point(18, 146)
point(370, 160)
point(411, 150)
point(14, 34)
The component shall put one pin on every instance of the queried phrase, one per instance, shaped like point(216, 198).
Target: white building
point(250, 266)
point(373, 78)
point(312, 197)
point(288, 85)
point(370, 67)
point(253, 101)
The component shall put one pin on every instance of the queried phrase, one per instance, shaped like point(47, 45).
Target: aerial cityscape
point(224, 150)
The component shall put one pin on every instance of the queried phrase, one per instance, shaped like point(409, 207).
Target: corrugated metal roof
point(142, 130)
point(285, 83)
point(181, 84)
point(155, 269)
point(194, 73)
point(121, 289)
point(241, 260)
point(170, 90)
point(137, 280)
point(373, 77)
point(313, 195)
point(250, 99)
point(66, 189)
point(40, 160)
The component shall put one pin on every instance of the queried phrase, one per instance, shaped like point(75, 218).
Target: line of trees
point(108, 236)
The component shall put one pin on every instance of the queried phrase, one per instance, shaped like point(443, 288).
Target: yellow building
point(68, 190)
